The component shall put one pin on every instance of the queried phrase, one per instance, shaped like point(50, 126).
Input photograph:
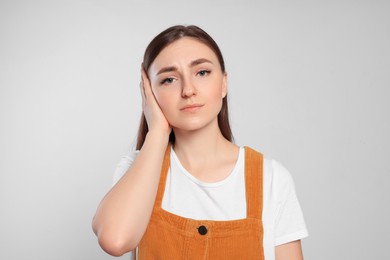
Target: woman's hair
point(161, 41)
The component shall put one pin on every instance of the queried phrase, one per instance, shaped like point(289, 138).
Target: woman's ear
point(224, 85)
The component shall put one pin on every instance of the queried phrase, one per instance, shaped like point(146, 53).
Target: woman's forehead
point(185, 51)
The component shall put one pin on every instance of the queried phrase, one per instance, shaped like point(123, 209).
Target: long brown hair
point(161, 41)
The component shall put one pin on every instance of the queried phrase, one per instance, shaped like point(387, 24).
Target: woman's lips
point(191, 108)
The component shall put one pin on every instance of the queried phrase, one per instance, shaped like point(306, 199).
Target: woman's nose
point(188, 89)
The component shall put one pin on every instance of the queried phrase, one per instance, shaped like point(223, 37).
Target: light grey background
point(308, 86)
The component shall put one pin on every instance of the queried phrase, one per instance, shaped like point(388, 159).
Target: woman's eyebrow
point(199, 61)
point(167, 69)
point(192, 64)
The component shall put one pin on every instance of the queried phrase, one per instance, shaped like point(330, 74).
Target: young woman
point(188, 192)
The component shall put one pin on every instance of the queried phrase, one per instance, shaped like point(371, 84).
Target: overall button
point(202, 230)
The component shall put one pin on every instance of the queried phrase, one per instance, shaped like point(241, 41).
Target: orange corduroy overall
point(170, 236)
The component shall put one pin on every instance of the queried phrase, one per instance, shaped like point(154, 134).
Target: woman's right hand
point(155, 118)
point(124, 213)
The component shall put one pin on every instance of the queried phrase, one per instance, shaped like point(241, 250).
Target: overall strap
point(254, 183)
point(163, 177)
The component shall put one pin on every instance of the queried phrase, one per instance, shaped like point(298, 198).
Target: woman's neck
point(204, 149)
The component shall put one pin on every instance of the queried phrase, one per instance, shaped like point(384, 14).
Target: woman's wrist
point(158, 137)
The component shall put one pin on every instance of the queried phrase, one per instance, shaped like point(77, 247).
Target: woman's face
point(188, 84)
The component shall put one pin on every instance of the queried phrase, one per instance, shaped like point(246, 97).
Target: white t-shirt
point(189, 197)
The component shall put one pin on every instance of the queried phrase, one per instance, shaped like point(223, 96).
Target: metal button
point(202, 230)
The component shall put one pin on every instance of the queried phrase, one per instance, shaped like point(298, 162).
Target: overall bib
point(169, 236)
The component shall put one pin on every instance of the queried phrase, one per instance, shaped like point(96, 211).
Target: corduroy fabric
point(169, 236)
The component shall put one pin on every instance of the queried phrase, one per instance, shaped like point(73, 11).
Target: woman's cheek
point(216, 94)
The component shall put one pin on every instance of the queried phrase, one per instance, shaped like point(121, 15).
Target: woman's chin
point(194, 126)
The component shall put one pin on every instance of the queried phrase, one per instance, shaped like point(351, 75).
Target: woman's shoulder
point(124, 163)
point(277, 180)
point(276, 170)
point(275, 175)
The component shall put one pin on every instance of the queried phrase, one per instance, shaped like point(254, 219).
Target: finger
point(142, 85)
point(141, 88)
point(146, 83)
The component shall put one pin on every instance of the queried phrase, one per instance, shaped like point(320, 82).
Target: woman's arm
point(289, 251)
point(123, 215)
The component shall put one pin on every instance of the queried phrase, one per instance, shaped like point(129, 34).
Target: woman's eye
point(203, 73)
point(167, 81)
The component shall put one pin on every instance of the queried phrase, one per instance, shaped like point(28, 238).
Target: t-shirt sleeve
point(123, 165)
point(289, 221)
